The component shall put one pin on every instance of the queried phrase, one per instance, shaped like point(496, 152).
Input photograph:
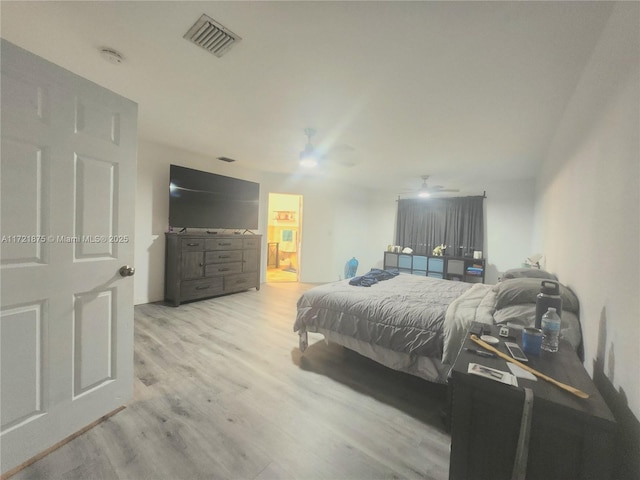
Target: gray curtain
point(456, 222)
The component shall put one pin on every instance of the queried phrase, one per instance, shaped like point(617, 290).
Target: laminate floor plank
point(222, 392)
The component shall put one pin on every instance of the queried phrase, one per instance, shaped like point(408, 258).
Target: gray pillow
point(529, 273)
point(516, 291)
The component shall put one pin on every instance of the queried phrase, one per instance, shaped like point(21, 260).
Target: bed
point(416, 324)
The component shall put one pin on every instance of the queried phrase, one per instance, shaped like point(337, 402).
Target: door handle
point(127, 271)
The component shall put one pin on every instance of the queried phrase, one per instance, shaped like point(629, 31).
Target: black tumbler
point(549, 296)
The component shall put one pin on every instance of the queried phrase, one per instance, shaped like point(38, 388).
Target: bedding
point(402, 315)
point(518, 291)
point(529, 273)
point(417, 324)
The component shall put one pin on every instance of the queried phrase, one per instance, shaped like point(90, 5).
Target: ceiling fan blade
point(427, 189)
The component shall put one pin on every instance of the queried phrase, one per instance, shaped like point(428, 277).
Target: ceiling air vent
point(210, 35)
point(226, 159)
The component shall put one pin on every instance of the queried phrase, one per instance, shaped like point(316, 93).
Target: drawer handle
point(204, 287)
point(222, 244)
point(192, 244)
point(224, 269)
point(201, 264)
point(224, 256)
point(241, 281)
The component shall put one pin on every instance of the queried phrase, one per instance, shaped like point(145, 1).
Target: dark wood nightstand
point(570, 437)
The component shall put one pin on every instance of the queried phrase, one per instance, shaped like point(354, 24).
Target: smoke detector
point(111, 55)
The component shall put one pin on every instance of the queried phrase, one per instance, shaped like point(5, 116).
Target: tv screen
point(206, 200)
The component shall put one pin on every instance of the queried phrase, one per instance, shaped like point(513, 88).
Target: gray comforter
point(404, 314)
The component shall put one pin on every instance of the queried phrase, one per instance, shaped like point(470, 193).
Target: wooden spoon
point(564, 386)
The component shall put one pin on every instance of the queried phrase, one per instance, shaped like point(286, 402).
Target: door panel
point(94, 208)
point(66, 317)
point(98, 121)
point(23, 173)
point(93, 340)
point(21, 344)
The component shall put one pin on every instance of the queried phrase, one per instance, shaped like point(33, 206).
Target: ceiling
point(468, 92)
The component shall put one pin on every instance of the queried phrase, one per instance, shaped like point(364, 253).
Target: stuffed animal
point(439, 250)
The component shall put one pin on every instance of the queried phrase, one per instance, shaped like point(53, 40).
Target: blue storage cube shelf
point(404, 262)
point(436, 265)
point(420, 263)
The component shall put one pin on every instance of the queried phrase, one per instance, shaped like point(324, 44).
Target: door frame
point(275, 226)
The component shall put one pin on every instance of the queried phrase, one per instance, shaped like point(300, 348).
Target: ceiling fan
point(311, 156)
point(426, 190)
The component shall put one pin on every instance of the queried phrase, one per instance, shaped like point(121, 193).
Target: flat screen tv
point(206, 200)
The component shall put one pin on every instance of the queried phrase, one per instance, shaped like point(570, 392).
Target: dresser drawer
point(223, 256)
point(193, 289)
point(251, 242)
point(223, 244)
point(243, 281)
point(192, 245)
point(222, 269)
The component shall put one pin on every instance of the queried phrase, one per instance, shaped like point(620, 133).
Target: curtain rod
point(484, 195)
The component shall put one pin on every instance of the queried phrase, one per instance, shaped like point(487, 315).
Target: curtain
point(458, 223)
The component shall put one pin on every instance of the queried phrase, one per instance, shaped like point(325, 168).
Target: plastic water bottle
point(351, 268)
point(550, 330)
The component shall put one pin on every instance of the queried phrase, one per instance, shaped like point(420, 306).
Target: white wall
point(588, 203)
point(509, 213)
point(366, 244)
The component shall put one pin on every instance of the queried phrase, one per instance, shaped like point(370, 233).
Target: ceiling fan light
point(308, 158)
point(424, 194)
point(309, 162)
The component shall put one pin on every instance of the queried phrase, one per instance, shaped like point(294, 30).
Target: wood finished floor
point(222, 392)
point(280, 275)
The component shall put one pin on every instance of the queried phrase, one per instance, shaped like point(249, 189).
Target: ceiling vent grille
point(210, 35)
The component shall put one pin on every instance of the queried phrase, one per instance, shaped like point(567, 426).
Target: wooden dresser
point(199, 266)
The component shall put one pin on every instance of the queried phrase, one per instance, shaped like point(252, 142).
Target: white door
point(67, 174)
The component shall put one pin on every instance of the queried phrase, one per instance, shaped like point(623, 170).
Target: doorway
point(283, 237)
